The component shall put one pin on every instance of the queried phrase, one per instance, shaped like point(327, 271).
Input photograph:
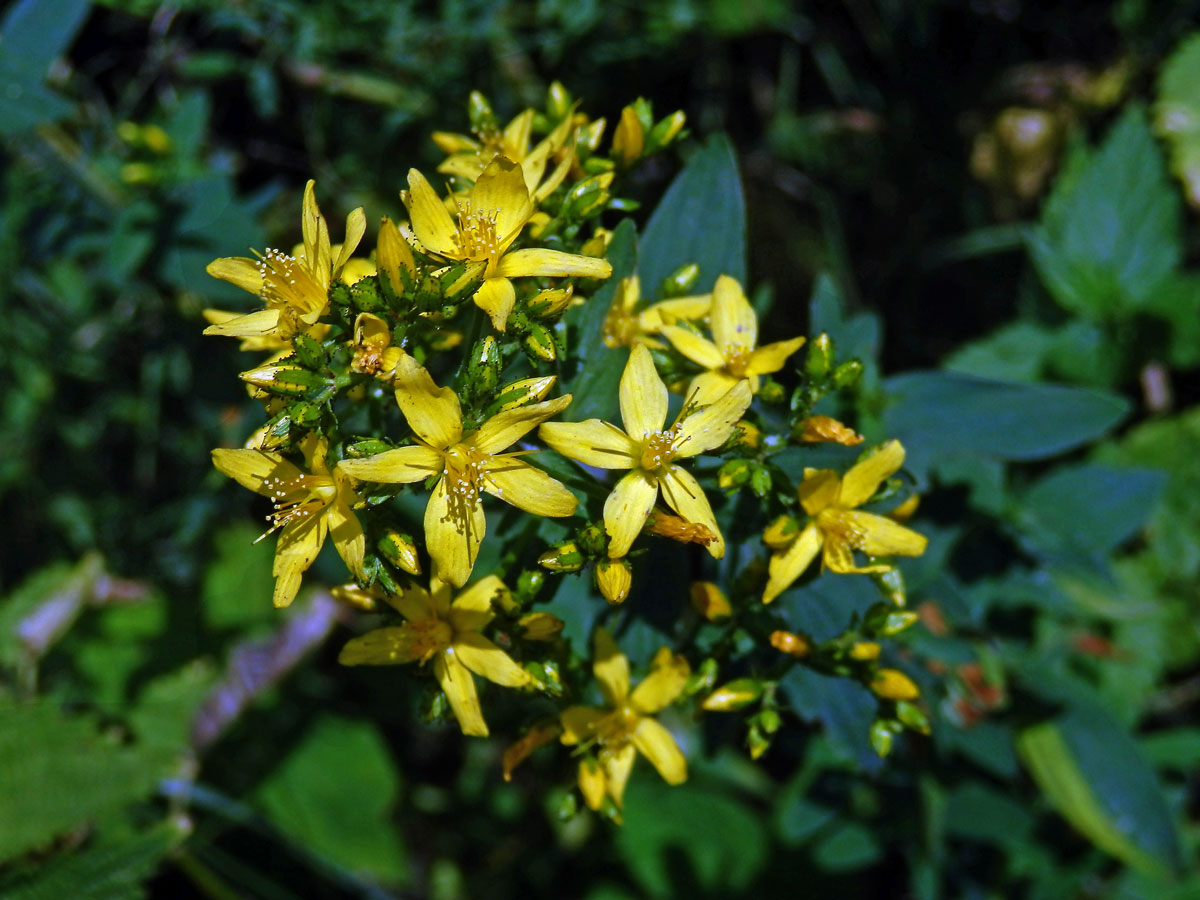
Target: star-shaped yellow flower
point(308, 506)
point(732, 355)
point(836, 528)
point(294, 288)
point(448, 632)
point(624, 326)
point(650, 452)
point(626, 727)
point(491, 217)
point(467, 465)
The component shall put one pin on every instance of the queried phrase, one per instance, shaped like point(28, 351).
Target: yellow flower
point(732, 355)
point(489, 220)
point(374, 352)
point(308, 506)
point(295, 289)
point(624, 326)
point(625, 728)
point(836, 528)
point(454, 520)
point(448, 632)
point(468, 157)
point(650, 452)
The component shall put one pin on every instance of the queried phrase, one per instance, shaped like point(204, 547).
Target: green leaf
point(238, 582)
point(1098, 779)
point(936, 414)
point(1109, 237)
point(1015, 352)
point(594, 387)
point(701, 218)
point(848, 846)
point(844, 708)
point(724, 842)
point(1089, 507)
point(980, 813)
point(1177, 112)
point(111, 871)
point(57, 772)
point(34, 32)
point(334, 793)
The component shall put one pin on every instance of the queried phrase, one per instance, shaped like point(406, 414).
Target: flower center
point(296, 499)
point(425, 637)
point(476, 237)
point(617, 726)
point(659, 448)
point(840, 524)
point(464, 471)
point(288, 286)
point(737, 358)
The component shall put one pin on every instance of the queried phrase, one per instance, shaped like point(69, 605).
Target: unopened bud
point(529, 584)
point(820, 357)
point(824, 429)
point(550, 303)
point(891, 584)
point(629, 138)
point(734, 473)
point(865, 651)
point(309, 352)
point(540, 626)
point(882, 736)
point(747, 434)
point(757, 741)
point(680, 282)
point(666, 130)
point(913, 717)
point(353, 595)
point(400, 550)
point(479, 113)
point(780, 534)
point(558, 102)
point(848, 373)
point(892, 684)
point(770, 720)
point(539, 343)
point(734, 695)
point(710, 601)
point(789, 642)
point(614, 577)
point(483, 366)
point(771, 391)
point(562, 557)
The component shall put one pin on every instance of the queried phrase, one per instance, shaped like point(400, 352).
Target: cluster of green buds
point(402, 386)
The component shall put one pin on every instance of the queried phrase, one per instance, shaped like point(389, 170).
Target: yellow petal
point(733, 319)
point(684, 495)
point(449, 142)
point(551, 263)
point(592, 782)
point(414, 603)
point(528, 488)
point(431, 223)
point(579, 723)
point(453, 532)
point(356, 227)
point(618, 764)
point(864, 477)
point(347, 534)
point(643, 395)
point(433, 413)
point(404, 465)
point(251, 468)
point(381, 647)
point(593, 442)
point(259, 323)
point(472, 609)
point(626, 509)
point(496, 297)
point(784, 568)
point(506, 428)
point(500, 190)
point(669, 672)
point(516, 132)
point(819, 490)
point(238, 270)
point(393, 254)
point(838, 556)
point(484, 658)
point(699, 350)
point(299, 543)
point(670, 312)
point(310, 221)
point(656, 744)
point(611, 669)
point(459, 688)
point(771, 358)
point(710, 426)
point(709, 387)
point(872, 534)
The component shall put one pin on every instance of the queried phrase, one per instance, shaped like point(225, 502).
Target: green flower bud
point(558, 102)
point(587, 196)
point(480, 115)
point(770, 720)
point(680, 282)
point(770, 390)
point(734, 473)
point(734, 695)
point(757, 742)
point(665, 131)
point(529, 584)
point(562, 557)
point(891, 585)
point(848, 373)
point(760, 480)
point(703, 678)
point(592, 539)
point(882, 737)
point(365, 296)
point(401, 551)
point(483, 366)
point(820, 357)
point(369, 447)
point(912, 717)
point(539, 343)
point(309, 352)
point(305, 414)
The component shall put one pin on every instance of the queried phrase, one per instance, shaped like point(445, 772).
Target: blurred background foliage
point(993, 204)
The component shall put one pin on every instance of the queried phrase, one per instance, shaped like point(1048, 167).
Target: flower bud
point(770, 390)
point(882, 736)
point(770, 720)
point(562, 557)
point(793, 644)
point(483, 366)
point(913, 717)
point(592, 539)
point(906, 510)
point(614, 577)
point(539, 343)
point(629, 140)
point(865, 651)
point(400, 551)
point(734, 473)
point(529, 584)
point(892, 684)
point(820, 357)
point(540, 626)
point(760, 480)
point(587, 196)
point(747, 434)
point(891, 585)
point(680, 282)
point(702, 679)
point(309, 352)
point(710, 601)
point(479, 114)
point(353, 595)
point(757, 742)
point(549, 303)
point(521, 393)
point(780, 534)
point(665, 131)
point(824, 429)
point(734, 695)
point(558, 102)
point(848, 373)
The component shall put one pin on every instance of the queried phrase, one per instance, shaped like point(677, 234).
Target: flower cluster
point(428, 375)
